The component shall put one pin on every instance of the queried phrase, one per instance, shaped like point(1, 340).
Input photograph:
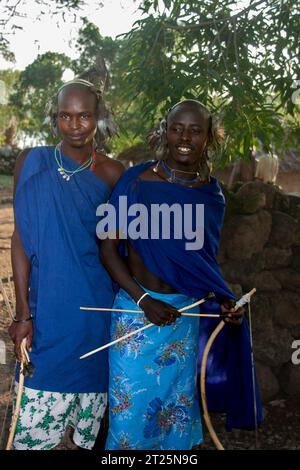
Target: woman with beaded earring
point(153, 401)
point(56, 266)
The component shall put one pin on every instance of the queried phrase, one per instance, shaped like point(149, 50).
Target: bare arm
point(21, 272)
point(156, 311)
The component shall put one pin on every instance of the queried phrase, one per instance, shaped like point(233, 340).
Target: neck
point(189, 170)
point(78, 154)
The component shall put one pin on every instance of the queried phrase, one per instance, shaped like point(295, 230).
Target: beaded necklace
point(67, 174)
point(172, 178)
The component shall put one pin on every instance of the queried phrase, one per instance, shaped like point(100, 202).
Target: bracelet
point(23, 320)
point(141, 298)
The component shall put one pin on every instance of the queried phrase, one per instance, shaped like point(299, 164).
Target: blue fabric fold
point(57, 224)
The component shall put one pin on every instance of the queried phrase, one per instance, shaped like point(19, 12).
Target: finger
point(165, 316)
point(175, 312)
point(172, 315)
point(18, 350)
point(157, 319)
point(28, 342)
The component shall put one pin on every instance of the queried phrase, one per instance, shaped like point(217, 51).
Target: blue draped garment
point(57, 221)
point(196, 273)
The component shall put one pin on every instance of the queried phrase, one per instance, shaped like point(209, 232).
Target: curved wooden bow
point(245, 299)
point(206, 416)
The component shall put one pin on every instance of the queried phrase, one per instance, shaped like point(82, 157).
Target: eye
point(176, 129)
point(63, 116)
point(196, 130)
point(85, 116)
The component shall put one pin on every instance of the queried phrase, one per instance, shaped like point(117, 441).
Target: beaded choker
point(171, 172)
point(67, 174)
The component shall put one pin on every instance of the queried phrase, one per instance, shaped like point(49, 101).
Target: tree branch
point(214, 21)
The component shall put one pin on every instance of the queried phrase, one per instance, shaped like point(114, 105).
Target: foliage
point(241, 63)
point(240, 59)
point(36, 84)
point(89, 44)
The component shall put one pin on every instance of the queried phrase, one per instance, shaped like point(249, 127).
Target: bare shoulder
point(108, 169)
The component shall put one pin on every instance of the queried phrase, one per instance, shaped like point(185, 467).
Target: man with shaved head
point(153, 400)
point(56, 267)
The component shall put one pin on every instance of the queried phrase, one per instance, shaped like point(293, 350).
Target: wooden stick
point(12, 292)
point(201, 301)
point(103, 309)
point(6, 300)
point(187, 314)
point(116, 341)
point(19, 397)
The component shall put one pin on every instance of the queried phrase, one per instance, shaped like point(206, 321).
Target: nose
point(186, 135)
point(74, 123)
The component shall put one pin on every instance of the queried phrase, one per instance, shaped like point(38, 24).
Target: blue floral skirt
point(153, 400)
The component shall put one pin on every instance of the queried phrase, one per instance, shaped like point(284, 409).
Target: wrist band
point(23, 320)
point(141, 298)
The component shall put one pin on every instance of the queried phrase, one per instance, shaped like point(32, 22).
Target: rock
point(294, 209)
point(283, 232)
point(286, 307)
point(236, 186)
point(275, 257)
point(251, 198)
point(222, 254)
point(288, 278)
point(280, 403)
point(296, 257)
point(290, 379)
point(232, 203)
point(253, 203)
point(236, 289)
point(296, 332)
point(254, 188)
point(272, 347)
point(233, 276)
point(281, 202)
point(266, 281)
point(262, 313)
point(242, 271)
point(269, 386)
point(245, 235)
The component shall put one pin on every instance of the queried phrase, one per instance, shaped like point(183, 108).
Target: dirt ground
point(281, 428)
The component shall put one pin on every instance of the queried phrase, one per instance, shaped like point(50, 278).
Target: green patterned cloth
point(44, 417)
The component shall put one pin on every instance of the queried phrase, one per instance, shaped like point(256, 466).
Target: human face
point(187, 136)
point(77, 121)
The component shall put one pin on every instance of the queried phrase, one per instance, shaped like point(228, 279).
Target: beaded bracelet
point(23, 320)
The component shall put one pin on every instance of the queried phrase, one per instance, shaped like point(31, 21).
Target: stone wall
point(260, 248)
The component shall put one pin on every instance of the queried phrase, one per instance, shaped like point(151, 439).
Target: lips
point(184, 149)
point(76, 136)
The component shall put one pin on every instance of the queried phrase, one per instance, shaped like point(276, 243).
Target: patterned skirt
point(44, 417)
point(153, 400)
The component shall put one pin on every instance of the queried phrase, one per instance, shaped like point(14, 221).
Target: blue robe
point(195, 274)
point(57, 220)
